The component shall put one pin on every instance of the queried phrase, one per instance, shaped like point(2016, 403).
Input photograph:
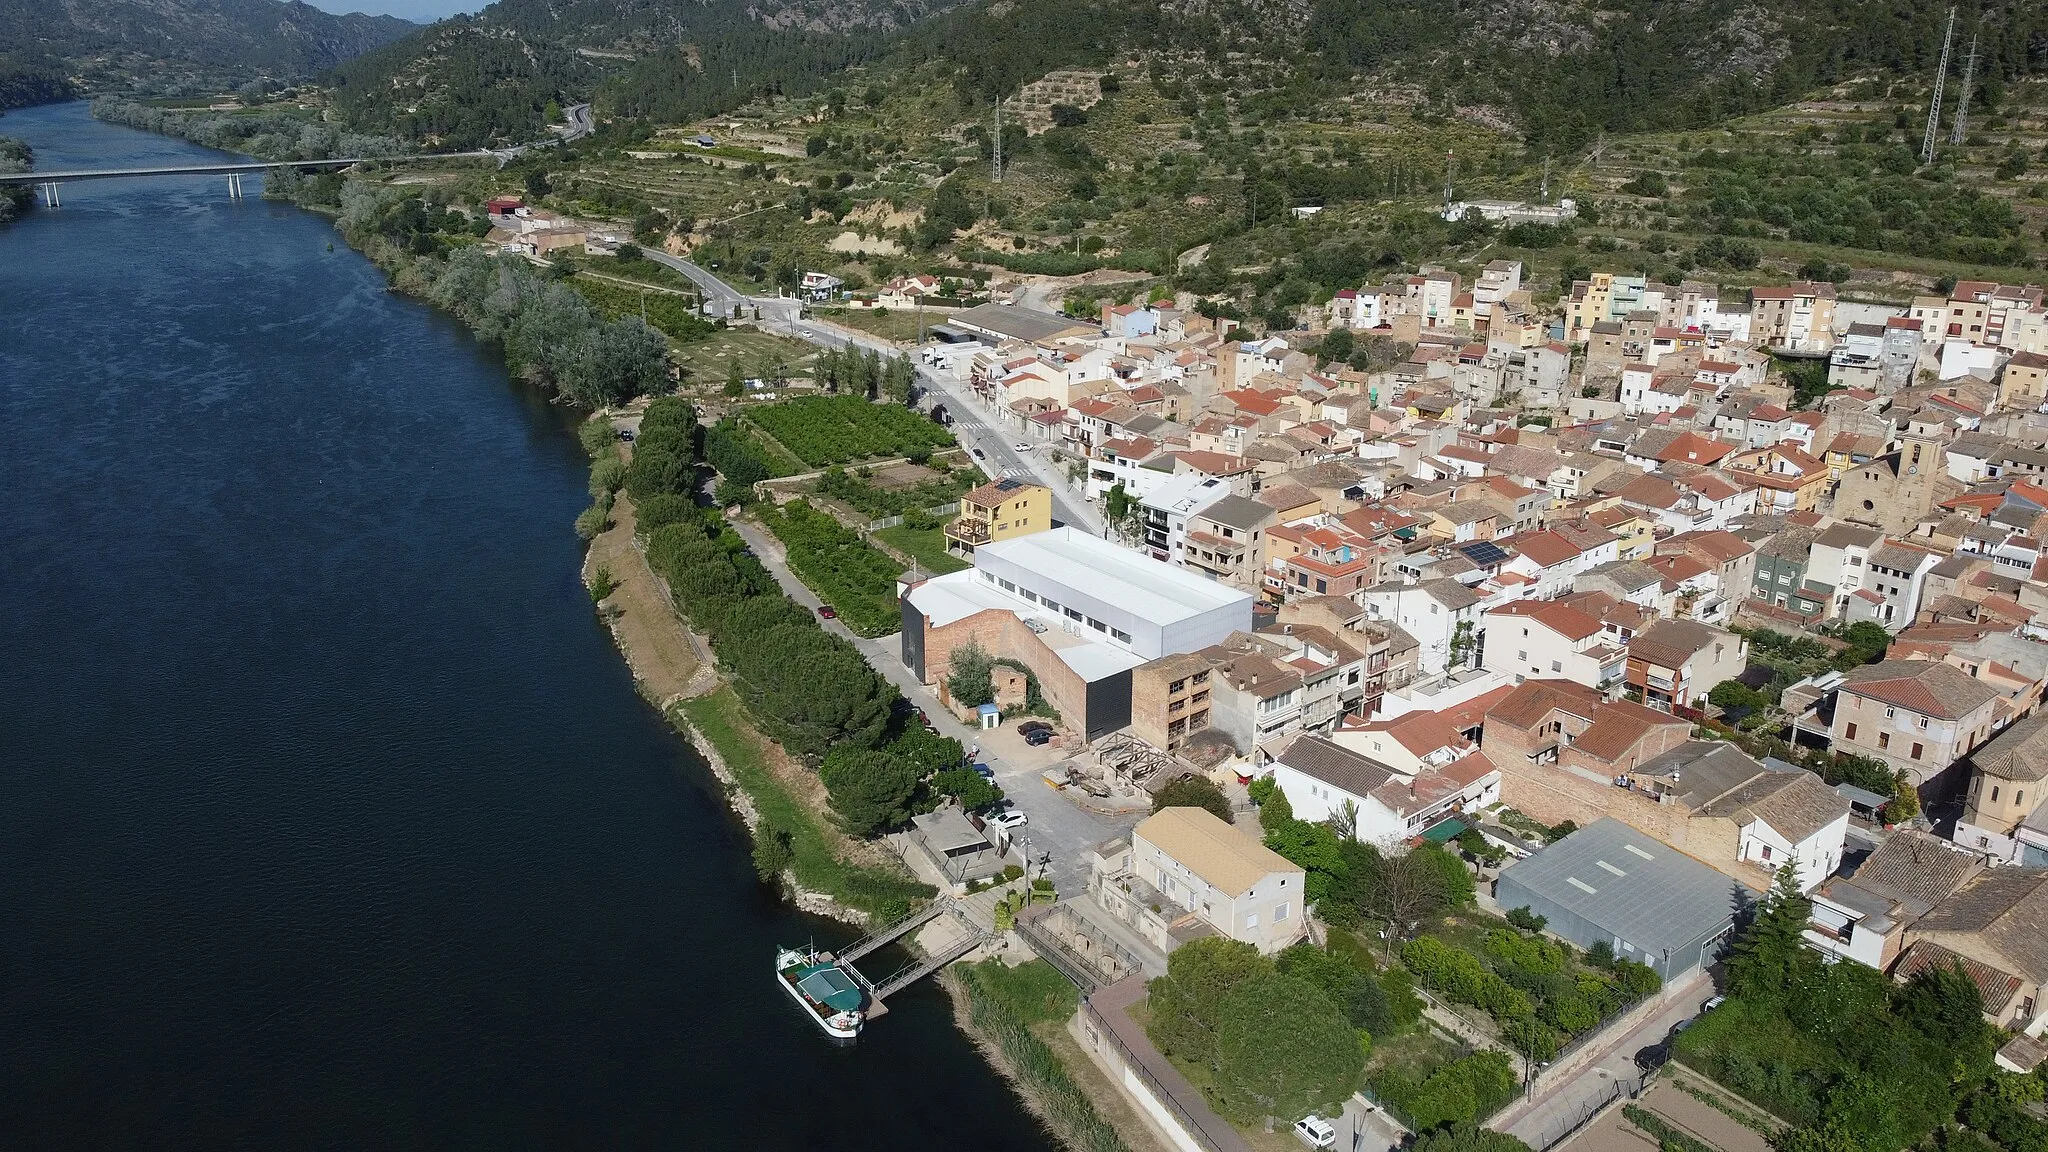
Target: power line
point(1934, 106)
point(1955, 135)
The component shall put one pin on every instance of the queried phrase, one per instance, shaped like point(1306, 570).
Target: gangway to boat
point(893, 932)
point(917, 970)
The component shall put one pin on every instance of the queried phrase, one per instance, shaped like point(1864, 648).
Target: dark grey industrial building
point(1650, 902)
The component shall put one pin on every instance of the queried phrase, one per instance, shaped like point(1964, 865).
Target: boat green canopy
point(827, 985)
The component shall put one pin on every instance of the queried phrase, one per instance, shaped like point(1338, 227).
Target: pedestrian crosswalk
point(1017, 473)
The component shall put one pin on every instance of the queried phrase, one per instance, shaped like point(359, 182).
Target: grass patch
point(1066, 1109)
point(711, 360)
point(722, 719)
point(927, 546)
point(1035, 992)
point(900, 326)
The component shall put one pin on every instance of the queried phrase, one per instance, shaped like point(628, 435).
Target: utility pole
point(1450, 174)
point(999, 140)
point(1934, 106)
point(1543, 191)
point(1955, 135)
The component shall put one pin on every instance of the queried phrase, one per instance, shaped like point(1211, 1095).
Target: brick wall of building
point(1002, 634)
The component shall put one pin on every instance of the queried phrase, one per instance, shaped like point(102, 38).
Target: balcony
point(968, 533)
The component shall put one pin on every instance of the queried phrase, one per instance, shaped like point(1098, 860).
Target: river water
point(328, 814)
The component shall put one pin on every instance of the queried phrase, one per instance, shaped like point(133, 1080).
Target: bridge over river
point(48, 182)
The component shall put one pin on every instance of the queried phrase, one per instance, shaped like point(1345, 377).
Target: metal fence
point(935, 510)
point(1588, 1113)
point(1215, 1142)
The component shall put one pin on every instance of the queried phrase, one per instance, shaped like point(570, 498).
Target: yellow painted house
point(1000, 510)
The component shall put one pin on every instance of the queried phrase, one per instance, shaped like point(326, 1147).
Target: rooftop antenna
point(1934, 106)
point(1955, 134)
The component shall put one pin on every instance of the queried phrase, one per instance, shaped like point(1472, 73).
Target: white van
point(1315, 1132)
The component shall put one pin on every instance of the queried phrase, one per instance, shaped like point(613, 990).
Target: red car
point(827, 612)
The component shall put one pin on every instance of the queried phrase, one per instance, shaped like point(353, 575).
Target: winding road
point(974, 422)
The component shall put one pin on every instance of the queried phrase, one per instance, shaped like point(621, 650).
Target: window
point(1884, 739)
point(1767, 851)
point(1922, 722)
point(1918, 748)
point(1890, 712)
point(1849, 733)
point(1557, 666)
point(1994, 793)
point(1251, 920)
point(1522, 655)
point(1279, 912)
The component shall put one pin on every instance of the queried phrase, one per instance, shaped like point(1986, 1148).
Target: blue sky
point(421, 10)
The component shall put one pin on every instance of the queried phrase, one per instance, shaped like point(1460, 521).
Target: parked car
point(828, 612)
point(1316, 1132)
point(1713, 1002)
point(626, 434)
point(983, 771)
point(1027, 727)
point(1021, 446)
point(1009, 818)
point(1038, 737)
point(980, 455)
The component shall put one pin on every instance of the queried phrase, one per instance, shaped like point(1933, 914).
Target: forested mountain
point(277, 38)
point(26, 80)
point(1559, 72)
point(488, 77)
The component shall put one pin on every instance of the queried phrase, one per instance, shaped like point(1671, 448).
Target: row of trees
point(806, 687)
point(277, 135)
point(550, 334)
point(862, 372)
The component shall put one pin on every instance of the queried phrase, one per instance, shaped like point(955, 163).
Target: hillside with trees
point(219, 40)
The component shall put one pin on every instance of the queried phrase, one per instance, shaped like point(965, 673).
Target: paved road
point(1558, 1107)
point(974, 423)
point(1057, 825)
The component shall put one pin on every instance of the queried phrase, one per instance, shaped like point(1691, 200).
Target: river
point(329, 817)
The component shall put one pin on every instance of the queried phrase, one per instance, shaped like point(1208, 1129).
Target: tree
point(1313, 846)
point(970, 677)
point(1337, 346)
point(1194, 792)
point(1187, 1001)
point(869, 791)
point(1275, 810)
point(1365, 1003)
point(610, 364)
point(1905, 802)
point(1526, 920)
point(537, 186)
point(967, 786)
point(1284, 1049)
point(1770, 956)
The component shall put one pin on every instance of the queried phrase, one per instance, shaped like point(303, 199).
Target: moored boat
point(827, 993)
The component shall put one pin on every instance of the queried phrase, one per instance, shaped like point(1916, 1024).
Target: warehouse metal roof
point(1638, 888)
